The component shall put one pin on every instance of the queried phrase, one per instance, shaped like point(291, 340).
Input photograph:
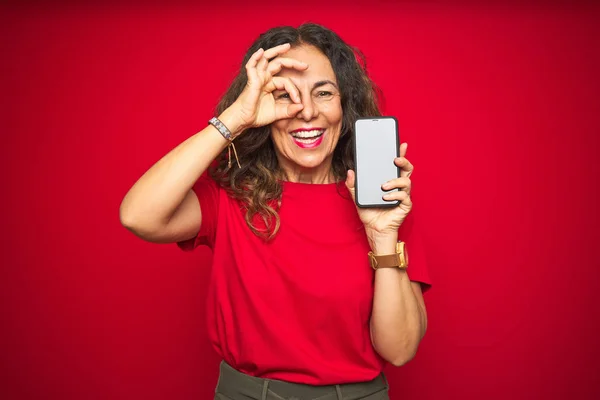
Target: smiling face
point(304, 143)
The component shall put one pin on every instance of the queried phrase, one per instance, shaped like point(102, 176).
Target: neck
point(322, 174)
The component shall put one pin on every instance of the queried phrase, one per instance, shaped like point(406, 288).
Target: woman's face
point(304, 143)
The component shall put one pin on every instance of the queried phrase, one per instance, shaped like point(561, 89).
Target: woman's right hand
point(256, 104)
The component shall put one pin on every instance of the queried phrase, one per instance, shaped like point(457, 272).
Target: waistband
point(235, 385)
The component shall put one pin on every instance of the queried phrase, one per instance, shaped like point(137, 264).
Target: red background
point(499, 104)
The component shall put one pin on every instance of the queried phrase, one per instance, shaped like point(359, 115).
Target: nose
point(310, 109)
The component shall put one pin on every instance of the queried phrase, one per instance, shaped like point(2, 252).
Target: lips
point(308, 138)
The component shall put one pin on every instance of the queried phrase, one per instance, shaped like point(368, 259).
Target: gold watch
point(396, 260)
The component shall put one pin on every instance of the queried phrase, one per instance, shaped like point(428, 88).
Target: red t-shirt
point(296, 308)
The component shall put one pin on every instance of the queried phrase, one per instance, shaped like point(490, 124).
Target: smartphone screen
point(376, 144)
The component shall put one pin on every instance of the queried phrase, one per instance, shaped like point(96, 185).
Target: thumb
point(350, 180)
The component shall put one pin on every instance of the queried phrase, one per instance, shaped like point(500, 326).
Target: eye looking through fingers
point(319, 97)
point(283, 96)
point(284, 86)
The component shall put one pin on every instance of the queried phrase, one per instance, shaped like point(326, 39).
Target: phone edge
point(387, 205)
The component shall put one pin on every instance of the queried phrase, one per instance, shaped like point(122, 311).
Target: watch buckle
point(373, 260)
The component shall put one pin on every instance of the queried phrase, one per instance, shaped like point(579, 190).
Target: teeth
point(307, 141)
point(308, 134)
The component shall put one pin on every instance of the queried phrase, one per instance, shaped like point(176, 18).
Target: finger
point(277, 50)
point(402, 183)
point(406, 168)
point(350, 182)
point(401, 196)
point(251, 66)
point(262, 64)
point(281, 83)
point(403, 148)
point(283, 111)
point(350, 179)
point(277, 64)
point(254, 58)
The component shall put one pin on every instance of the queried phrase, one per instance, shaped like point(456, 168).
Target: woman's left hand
point(383, 221)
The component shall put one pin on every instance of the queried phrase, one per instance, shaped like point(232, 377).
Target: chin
point(308, 164)
point(309, 161)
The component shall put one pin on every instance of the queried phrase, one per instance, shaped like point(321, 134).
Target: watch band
point(396, 260)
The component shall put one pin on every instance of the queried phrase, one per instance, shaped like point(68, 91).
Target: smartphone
point(376, 144)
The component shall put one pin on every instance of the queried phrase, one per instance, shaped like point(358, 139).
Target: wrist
point(382, 243)
point(230, 118)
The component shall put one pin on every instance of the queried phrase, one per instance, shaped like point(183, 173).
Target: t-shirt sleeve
point(410, 233)
point(207, 191)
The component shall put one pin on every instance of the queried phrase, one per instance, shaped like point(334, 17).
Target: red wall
point(499, 105)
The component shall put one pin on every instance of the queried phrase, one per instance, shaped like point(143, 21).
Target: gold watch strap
point(396, 260)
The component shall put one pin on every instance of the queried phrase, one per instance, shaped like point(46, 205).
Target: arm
point(161, 206)
point(399, 319)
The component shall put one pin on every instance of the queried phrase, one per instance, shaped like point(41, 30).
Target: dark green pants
point(235, 385)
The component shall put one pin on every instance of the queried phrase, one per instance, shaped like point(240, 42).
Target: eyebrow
point(323, 83)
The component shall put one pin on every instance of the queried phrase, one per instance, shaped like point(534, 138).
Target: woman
point(294, 307)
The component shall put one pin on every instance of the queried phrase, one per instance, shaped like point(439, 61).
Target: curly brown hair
point(257, 183)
